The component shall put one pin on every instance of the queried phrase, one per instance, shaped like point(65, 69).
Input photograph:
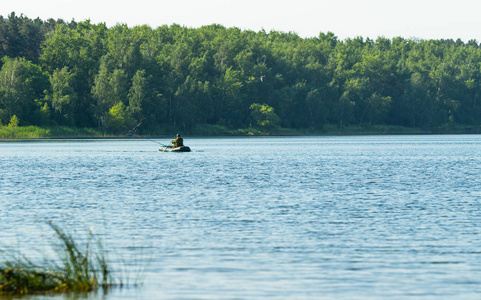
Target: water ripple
point(250, 218)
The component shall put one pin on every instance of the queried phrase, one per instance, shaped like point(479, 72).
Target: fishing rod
point(141, 137)
point(132, 133)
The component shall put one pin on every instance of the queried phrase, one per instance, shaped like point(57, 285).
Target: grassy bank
point(34, 132)
point(77, 268)
point(215, 130)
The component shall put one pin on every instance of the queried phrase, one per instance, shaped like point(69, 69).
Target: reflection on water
point(250, 218)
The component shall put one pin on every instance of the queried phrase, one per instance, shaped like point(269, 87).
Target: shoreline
point(60, 132)
point(121, 137)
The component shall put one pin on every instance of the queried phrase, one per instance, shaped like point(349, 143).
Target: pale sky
point(424, 19)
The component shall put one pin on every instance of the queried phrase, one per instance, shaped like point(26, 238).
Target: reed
point(77, 268)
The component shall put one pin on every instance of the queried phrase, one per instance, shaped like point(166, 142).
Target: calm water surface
point(366, 217)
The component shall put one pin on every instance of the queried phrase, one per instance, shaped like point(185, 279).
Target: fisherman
point(178, 142)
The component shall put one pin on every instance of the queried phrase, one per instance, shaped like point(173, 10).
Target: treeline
point(88, 75)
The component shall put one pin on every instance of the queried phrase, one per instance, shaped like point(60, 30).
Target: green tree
point(228, 104)
point(80, 50)
point(109, 90)
point(264, 116)
point(63, 97)
point(102, 93)
point(14, 121)
point(21, 83)
point(118, 119)
point(118, 83)
point(138, 94)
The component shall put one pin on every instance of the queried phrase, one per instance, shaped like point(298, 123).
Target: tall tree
point(63, 97)
point(138, 95)
point(21, 83)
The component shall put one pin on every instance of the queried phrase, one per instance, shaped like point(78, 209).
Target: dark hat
point(178, 134)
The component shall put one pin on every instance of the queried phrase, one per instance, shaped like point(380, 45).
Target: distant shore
point(62, 132)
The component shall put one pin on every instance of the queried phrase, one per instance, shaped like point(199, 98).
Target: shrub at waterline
point(77, 268)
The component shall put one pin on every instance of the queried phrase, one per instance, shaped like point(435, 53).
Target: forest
point(84, 75)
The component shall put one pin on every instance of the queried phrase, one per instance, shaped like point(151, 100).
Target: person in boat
point(178, 142)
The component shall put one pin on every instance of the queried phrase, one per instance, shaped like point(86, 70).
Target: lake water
point(365, 217)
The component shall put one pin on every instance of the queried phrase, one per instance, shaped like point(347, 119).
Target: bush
point(264, 116)
point(13, 122)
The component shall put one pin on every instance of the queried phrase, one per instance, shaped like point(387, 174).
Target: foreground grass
point(76, 269)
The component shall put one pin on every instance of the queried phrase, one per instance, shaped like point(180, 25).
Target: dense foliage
point(89, 75)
